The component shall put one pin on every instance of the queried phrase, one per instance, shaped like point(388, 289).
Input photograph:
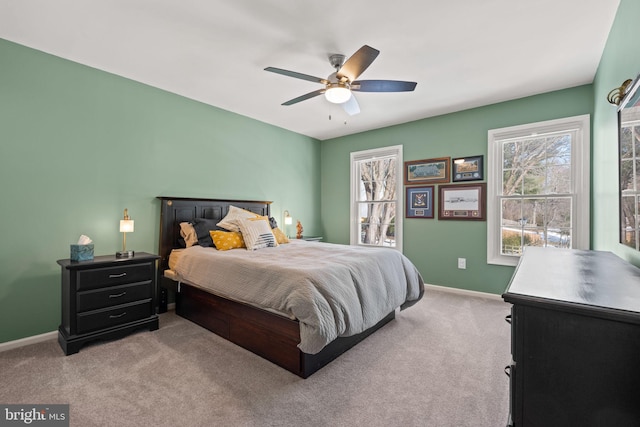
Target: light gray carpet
point(439, 363)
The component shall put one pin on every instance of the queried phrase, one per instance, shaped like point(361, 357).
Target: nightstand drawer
point(115, 295)
point(107, 276)
point(104, 318)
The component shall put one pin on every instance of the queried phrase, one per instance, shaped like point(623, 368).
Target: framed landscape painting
point(428, 171)
point(467, 169)
point(463, 202)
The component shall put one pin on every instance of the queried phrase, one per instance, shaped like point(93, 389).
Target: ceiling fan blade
point(382, 86)
point(358, 62)
point(351, 106)
point(305, 97)
point(296, 75)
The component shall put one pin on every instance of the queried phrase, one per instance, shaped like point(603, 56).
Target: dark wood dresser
point(106, 298)
point(575, 340)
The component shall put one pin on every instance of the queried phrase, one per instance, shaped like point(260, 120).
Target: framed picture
point(429, 171)
point(463, 202)
point(419, 202)
point(467, 169)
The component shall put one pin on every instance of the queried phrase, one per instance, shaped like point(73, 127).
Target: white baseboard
point(464, 292)
point(10, 345)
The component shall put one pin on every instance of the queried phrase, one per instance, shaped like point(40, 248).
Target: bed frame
point(266, 334)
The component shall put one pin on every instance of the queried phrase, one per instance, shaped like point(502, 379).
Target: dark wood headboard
point(175, 210)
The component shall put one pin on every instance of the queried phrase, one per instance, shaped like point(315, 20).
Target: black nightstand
point(106, 298)
point(311, 238)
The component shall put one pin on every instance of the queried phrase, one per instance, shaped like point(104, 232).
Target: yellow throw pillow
point(280, 236)
point(225, 240)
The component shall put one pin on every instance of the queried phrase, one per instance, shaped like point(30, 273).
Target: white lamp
point(337, 93)
point(126, 226)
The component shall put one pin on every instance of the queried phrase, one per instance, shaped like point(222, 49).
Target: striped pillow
point(256, 233)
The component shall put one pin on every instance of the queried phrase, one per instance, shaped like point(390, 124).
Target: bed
point(273, 332)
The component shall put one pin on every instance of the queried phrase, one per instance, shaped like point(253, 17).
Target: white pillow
point(256, 233)
point(230, 221)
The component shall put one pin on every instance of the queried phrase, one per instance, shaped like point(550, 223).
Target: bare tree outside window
point(536, 202)
point(376, 197)
point(630, 177)
point(538, 187)
point(377, 205)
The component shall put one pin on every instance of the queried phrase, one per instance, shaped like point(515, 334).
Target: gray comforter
point(332, 290)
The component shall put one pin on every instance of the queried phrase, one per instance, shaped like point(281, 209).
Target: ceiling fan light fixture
point(337, 93)
point(337, 87)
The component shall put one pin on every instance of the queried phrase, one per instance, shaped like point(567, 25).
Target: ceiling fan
point(339, 85)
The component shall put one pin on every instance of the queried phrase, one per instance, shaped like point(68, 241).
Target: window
point(629, 146)
point(538, 188)
point(376, 197)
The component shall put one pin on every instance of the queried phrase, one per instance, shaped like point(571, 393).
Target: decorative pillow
point(272, 222)
point(188, 233)
point(256, 233)
point(202, 226)
point(230, 221)
point(280, 236)
point(225, 240)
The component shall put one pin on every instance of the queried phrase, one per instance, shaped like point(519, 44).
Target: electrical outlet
point(462, 263)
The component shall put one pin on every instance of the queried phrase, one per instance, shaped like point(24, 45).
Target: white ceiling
point(462, 53)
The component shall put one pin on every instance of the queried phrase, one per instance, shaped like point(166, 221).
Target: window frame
point(580, 180)
point(354, 222)
point(623, 193)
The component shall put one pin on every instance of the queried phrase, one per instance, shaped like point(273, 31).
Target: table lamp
point(126, 226)
point(288, 220)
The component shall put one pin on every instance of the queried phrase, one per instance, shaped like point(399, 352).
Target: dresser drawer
point(105, 318)
point(115, 275)
point(114, 295)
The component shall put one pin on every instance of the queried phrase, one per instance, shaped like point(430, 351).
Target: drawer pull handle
point(507, 370)
point(121, 294)
point(117, 316)
point(115, 276)
point(508, 318)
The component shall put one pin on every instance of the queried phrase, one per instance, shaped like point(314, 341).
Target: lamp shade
point(126, 225)
point(288, 220)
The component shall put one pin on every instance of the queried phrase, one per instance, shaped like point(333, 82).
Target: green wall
point(434, 246)
point(78, 145)
point(620, 61)
point(64, 128)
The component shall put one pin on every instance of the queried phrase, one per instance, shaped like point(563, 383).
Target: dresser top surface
point(592, 278)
